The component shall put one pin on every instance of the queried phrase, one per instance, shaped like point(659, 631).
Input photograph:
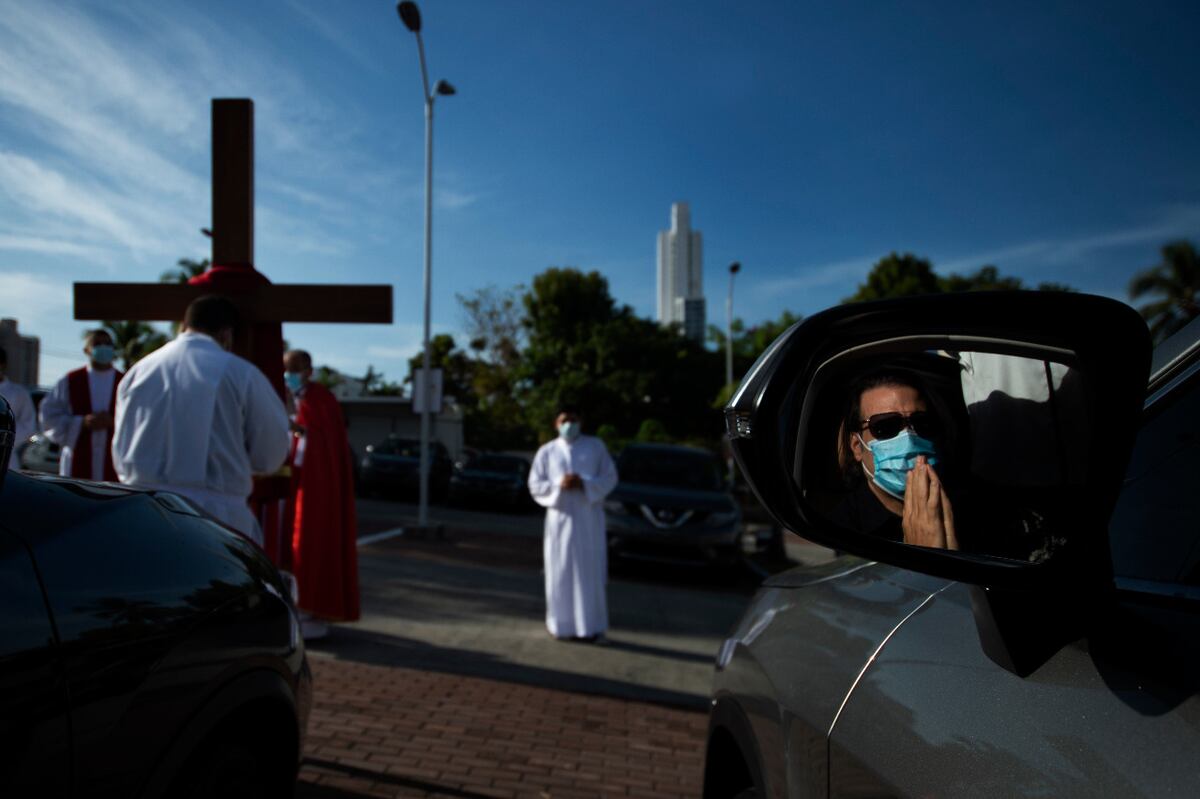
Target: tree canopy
point(907, 275)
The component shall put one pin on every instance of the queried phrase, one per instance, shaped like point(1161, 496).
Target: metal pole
point(729, 332)
point(423, 508)
point(733, 269)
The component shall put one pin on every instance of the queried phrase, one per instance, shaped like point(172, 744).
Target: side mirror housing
point(1051, 452)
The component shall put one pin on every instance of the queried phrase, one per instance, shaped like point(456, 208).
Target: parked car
point(672, 503)
point(492, 479)
point(393, 468)
point(39, 454)
point(903, 670)
point(145, 649)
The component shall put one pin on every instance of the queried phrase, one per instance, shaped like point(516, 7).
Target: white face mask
point(569, 430)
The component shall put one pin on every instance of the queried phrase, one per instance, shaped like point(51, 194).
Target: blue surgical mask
point(569, 430)
point(103, 354)
point(895, 458)
point(294, 381)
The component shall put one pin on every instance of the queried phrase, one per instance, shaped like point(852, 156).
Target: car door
point(35, 744)
point(1114, 713)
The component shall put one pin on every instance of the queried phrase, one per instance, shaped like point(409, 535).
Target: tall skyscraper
point(680, 274)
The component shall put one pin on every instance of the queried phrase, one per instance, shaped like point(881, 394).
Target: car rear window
point(673, 469)
point(496, 463)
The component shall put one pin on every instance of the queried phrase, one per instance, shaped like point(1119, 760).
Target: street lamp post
point(411, 17)
point(734, 268)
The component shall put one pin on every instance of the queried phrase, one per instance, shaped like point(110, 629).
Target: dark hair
point(89, 336)
point(852, 420)
point(211, 314)
point(303, 355)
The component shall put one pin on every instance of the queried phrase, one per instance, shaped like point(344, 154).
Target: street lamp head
point(443, 88)
point(735, 267)
point(410, 15)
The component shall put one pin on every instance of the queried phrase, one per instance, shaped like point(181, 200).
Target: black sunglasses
point(891, 424)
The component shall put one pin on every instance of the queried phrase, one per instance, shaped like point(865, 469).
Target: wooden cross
point(264, 306)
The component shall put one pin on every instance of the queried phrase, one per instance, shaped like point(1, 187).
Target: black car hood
point(664, 497)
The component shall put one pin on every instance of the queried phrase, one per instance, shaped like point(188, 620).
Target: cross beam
point(279, 302)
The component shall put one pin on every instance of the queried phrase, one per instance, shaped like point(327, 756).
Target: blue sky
point(1057, 141)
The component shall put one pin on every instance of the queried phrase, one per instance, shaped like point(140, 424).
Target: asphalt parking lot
point(449, 685)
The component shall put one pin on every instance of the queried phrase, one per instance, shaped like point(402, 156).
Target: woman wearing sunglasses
point(888, 450)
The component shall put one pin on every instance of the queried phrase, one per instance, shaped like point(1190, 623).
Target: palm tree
point(184, 270)
point(1174, 281)
point(133, 340)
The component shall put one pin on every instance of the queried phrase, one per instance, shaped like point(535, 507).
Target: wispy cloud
point(12, 243)
point(36, 301)
point(1065, 251)
point(452, 200)
point(104, 136)
point(1174, 222)
point(847, 272)
point(326, 28)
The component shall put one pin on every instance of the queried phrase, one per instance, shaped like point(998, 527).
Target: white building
point(680, 274)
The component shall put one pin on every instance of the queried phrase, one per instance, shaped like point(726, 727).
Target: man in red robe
point(320, 513)
point(78, 414)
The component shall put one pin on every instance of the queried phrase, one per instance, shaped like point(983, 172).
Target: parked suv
point(393, 467)
point(672, 503)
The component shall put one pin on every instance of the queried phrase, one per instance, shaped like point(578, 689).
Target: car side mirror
point(8, 437)
point(981, 437)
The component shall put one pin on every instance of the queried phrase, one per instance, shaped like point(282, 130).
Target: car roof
point(638, 445)
point(1174, 354)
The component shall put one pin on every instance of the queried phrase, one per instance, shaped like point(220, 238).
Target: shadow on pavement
point(660, 652)
point(389, 650)
point(423, 588)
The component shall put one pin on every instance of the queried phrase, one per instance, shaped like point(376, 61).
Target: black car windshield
point(498, 463)
point(696, 471)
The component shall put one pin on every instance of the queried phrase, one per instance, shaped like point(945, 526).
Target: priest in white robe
point(197, 420)
point(78, 413)
point(570, 477)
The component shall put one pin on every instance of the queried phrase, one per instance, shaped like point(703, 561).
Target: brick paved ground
point(395, 732)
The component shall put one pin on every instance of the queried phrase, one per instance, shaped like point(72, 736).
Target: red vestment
point(79, 393)
point(323, 520)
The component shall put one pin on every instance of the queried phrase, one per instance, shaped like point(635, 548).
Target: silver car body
point(860, 679)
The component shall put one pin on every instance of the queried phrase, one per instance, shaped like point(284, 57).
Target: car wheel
point(236, 763)
point(230, 771)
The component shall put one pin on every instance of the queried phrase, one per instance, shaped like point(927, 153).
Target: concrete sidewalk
point(459, 607)
point(450, 685)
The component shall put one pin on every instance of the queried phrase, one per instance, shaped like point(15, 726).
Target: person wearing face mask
point(78, 414)
point(888, 449)
point(320, 526)
point(21, 405)
point(570, 477)
point(197, 420)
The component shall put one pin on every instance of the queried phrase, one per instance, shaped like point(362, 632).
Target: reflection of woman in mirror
point(888, 448)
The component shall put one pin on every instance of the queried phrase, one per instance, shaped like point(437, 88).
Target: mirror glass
point(979, 451)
